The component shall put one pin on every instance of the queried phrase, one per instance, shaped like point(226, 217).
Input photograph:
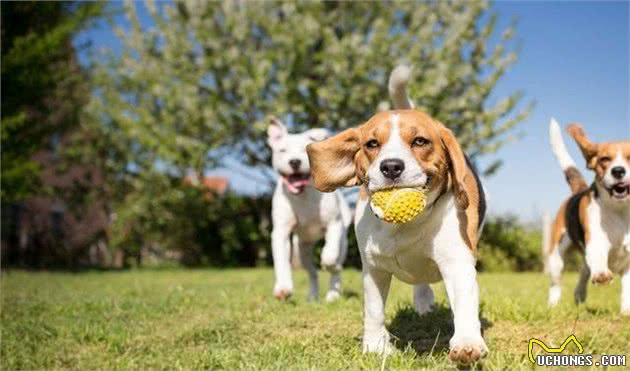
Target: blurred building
point(214, 185)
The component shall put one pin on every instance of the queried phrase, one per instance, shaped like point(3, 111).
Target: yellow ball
point(398, 205)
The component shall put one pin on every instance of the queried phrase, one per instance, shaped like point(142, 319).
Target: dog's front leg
point(460, 278)
point(306, 258)
point(376, 287)
point(596, 251)
point(596, 256)
point(280, 249)
point(333, 256)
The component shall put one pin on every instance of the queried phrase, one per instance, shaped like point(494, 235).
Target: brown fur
point(575, 179)
point(343, 161)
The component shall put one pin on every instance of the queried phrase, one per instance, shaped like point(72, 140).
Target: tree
point(198, 83)
point(43, 92)
point(43, 87)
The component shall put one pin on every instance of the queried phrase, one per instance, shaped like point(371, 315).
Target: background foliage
point(191, 87)
point(196, 85)
point(43, 87)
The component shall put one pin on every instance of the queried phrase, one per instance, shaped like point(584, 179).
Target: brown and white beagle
point(409, 149)
point(595, 219)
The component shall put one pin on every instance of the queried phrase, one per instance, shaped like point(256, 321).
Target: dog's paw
point(332, 295)
point(602, 278)
point(328, 260)
point(377, 343)
point(579, 295)
point(423, 308)
point(282, 292)
point(625, 311)
point(467, 350)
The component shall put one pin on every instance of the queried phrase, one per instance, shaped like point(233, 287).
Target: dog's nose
point(295, 163)
point(392, 168)
point(618, 172)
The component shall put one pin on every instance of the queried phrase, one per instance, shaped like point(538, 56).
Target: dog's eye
point(604, 160)
point(282, 150)
point(372, 143)
point(420, 142)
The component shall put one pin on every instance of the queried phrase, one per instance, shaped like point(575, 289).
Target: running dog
point(302, 215)
point(595, 219)
point(408, 148)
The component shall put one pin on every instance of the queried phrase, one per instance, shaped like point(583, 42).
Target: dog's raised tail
point(398, 80)
point(574, 177)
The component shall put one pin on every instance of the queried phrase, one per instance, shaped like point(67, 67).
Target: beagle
point(595, 219)
point(408, 148)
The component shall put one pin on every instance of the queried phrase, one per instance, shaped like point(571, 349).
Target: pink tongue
point(297, 185)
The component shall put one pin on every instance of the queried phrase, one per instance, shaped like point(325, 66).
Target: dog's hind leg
point(306, 258)
point(423, 299)
point(280, 248)
point(555, 264)
point(333, 256)
point(580, 290)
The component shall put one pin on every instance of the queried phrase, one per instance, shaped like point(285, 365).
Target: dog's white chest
point(308, 213)
point(409, 251)
point(615, 224)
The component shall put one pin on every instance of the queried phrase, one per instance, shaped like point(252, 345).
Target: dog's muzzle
point(297, 182)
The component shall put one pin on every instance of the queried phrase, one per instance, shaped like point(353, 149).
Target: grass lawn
point(227, 319)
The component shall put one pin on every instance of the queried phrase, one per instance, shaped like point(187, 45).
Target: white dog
point(302, 215)
point(399, 149)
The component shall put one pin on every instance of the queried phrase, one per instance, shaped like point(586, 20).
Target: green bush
point(508, 245)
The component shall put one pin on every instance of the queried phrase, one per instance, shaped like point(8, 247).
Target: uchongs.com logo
point(555, 357)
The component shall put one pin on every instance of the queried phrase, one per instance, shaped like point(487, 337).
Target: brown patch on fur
point(343, 160)
point(583, 216)
point(575, 179)
point(598, 156)
point(333, 161)
point(588, 148)
point(572, 219)
point(363, 193)
point(558, 229)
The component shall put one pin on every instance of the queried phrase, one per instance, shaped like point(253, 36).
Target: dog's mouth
point(620, 191)
point(296, 182)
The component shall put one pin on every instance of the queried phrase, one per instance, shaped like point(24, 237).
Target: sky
point(574, 63)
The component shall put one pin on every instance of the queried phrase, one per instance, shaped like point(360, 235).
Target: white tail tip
point(398, 80)
point(558, 147)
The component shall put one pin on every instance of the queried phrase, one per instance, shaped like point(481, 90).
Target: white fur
point(413, 176)
point(398, 80)
point(425, 250)
point(558, 147)
point(555, 264)
point(308, 216)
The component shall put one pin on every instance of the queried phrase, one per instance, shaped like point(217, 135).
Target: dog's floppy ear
point(458, 169)
point(588, 148)
point(332, 161)
point(317, 134)
point(275, 131)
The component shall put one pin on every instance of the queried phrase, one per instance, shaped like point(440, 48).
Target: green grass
point(227, 319)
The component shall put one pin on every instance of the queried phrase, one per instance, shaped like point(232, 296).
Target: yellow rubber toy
point(398, 205)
